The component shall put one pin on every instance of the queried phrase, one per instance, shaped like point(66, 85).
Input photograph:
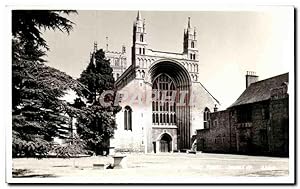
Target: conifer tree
point(38, 113)
point(97, 124)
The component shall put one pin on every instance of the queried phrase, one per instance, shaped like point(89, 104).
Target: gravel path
point(154, 165)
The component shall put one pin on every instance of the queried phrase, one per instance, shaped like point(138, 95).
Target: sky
point(229, 43)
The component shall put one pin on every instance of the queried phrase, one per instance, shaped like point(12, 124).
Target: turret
point(190, 42)
point(139, 44)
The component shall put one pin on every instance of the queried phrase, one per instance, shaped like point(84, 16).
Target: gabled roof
point(210, 94)
point(261, 90)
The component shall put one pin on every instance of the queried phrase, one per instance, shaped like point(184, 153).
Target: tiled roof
point(261, 90)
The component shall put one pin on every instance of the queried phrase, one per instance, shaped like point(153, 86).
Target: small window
point(215, 123)
point(244, 114)
point(141, 37)
point(265, 113)
point(143, 50)
point(263, 136)
point(193, 44)
point(206, 118)
point(117, 62)
point(140, 51)
point(128, 118)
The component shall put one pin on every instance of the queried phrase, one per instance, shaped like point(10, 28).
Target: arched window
point(128, 118)
point(117, 63)
point(143, 50)
point(206, 118)
point(193, 44)
point(141, 37)
point(156, 118)
point(143, 73)
point(160, 119)
point(138, 74)
point(164, 86)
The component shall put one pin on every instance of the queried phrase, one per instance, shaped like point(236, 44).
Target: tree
point(38, 113)
point(27, 26)
point(96, 125)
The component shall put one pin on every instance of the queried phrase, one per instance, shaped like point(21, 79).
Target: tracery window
point(163, 108)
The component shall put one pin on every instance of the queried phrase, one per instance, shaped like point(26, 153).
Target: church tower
point(190, 42)
point(139, 46)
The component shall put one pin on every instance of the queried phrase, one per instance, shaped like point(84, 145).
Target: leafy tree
point(73, 148)
point(38, 113)
point(96, 125)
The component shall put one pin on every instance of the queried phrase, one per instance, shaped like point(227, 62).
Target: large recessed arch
point(181, 77)
point(173, 68)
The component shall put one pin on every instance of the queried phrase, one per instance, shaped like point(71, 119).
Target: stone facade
point(279, 124)
point(118, 61)
point(216, 138)
point(251, 128)
point(160, 125)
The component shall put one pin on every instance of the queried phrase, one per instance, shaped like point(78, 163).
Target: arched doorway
point(165, 143)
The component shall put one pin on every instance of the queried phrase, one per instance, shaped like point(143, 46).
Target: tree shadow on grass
point(26, 173)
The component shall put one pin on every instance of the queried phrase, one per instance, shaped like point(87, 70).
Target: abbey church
point(163, 102)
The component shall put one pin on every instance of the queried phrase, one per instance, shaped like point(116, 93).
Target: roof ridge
point(259, 91)
point(270, 78)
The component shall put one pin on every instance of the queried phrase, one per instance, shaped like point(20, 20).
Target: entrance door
point(201, 144)
point(165, 143)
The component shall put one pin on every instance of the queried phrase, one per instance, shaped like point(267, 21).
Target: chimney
point(215, 108)
point(251, 77)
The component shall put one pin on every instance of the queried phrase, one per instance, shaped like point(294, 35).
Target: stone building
point(256, 123)
point(161, 96)
point(117, 59)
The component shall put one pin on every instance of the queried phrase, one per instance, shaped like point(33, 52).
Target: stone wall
point(267, 133)
point(216, 138)
point(251, 136)
point(279, 129)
